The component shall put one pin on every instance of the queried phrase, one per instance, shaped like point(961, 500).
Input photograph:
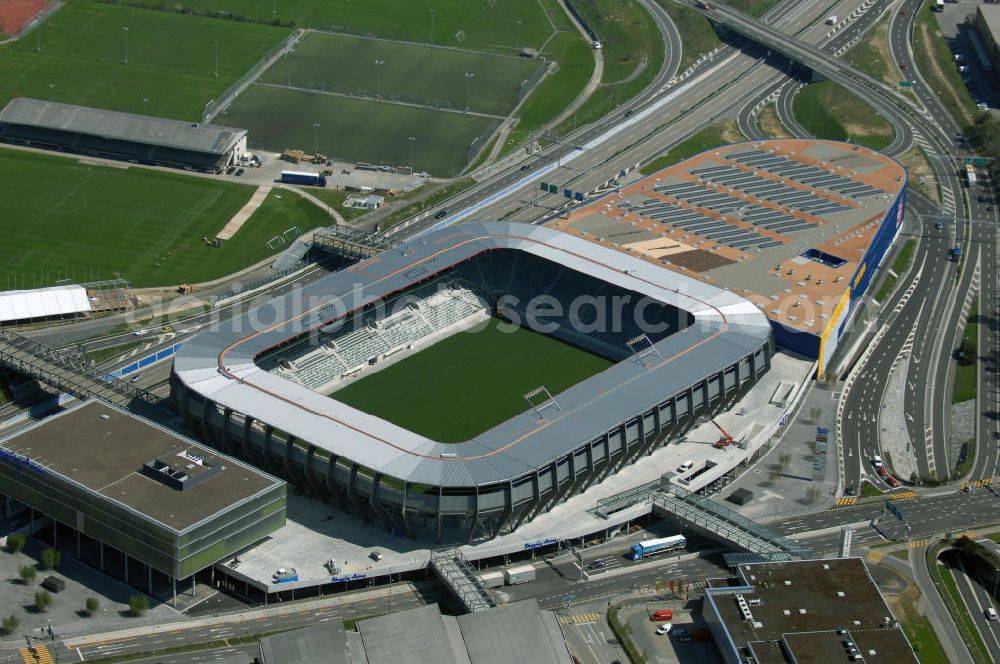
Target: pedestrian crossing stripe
point(966, 533)
point(904, 495)
point(575, 618)
point(847, 500)
point(984, 482)
point(36, 655)
point(875, 556)
point(918, 544)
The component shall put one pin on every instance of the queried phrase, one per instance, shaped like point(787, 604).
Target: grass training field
point(471, 381)
point(356, 129)
point(416, 74)
point(171, 59)
point(63, 219)
point(483, 24)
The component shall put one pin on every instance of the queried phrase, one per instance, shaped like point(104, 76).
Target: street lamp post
point(215, 42)
point(996, 577)
point(468, 88)
point(145, 105)
point(126, 44)
point(518, 22)
point(274, 10)
point(347, 15)
point(315, 138)
point(433, 12)
point(52, 87)
point(412, 139)
point(378, 77)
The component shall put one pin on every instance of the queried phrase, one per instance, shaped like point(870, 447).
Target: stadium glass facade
point(471, 512)
point(712, 346)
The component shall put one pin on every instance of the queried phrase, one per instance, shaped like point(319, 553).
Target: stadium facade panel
point(704, 346)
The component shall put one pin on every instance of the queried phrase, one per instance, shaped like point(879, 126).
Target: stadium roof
point(193, 136)
point(43, 303)
point(220, 364)
point(102, 448)
point(783, 222)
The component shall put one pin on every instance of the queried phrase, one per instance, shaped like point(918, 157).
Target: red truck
point(661, 615)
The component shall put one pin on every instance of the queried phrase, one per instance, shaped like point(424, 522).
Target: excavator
point(725, 440)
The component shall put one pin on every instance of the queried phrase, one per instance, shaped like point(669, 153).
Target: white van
point(684, 467)
point(877, 461)
point(831, 20)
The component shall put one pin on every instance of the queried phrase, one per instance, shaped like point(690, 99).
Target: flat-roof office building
point(136, 499)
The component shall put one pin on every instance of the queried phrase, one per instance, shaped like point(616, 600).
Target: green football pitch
point(63, 219)
point(171, 59)
point(357, 129)
point(411, 73)
point(478, 24)
point(471, 381)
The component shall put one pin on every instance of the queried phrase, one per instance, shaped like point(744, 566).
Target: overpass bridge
point(906, 118)
point(717, 520)
point(72, 375)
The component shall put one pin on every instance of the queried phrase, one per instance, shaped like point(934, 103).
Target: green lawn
point(412, 73)
point(69, 220)
point(966, 374)
point(632, 51)
point(357, 129)
point(829, 111)
point(490, 24)
point(697, 34)
point(751, 7)
point(471, 381)
point(900, 265)
point(575, 60)
point(936, 64)
point(871, 54)
point(944, 579)
point(918, 629)
point(869, 490)
point(171, 59)
point(705, 139)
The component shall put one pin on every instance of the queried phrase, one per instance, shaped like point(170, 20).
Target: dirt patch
point(15, 14)
point(864, 130)
point(770, 123)
point(730, 132)
point(919, 170)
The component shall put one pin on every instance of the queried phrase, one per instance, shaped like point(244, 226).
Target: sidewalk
point(241, 616)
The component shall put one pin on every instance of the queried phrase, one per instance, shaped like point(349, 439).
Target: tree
point(138, 604)
point(43, 600)
point(812, 493)
point(27, 573)
point(783, 459)
point(51, 558)
point(10, 624)
point(93, 604)
point(16, 542)
point(774, 475)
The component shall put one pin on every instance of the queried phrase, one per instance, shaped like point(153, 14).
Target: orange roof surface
point(741, 217)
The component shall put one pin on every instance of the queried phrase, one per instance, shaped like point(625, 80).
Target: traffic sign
point(978, 161)
point(553, 189)
point(544, 186)
point(578, 196)
point(568, 193)
point(906, 84)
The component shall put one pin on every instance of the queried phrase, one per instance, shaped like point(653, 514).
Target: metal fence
point(215, 106)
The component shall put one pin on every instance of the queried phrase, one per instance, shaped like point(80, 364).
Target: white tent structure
point(43, 303)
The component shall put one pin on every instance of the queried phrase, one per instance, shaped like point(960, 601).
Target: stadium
point(561, 361)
